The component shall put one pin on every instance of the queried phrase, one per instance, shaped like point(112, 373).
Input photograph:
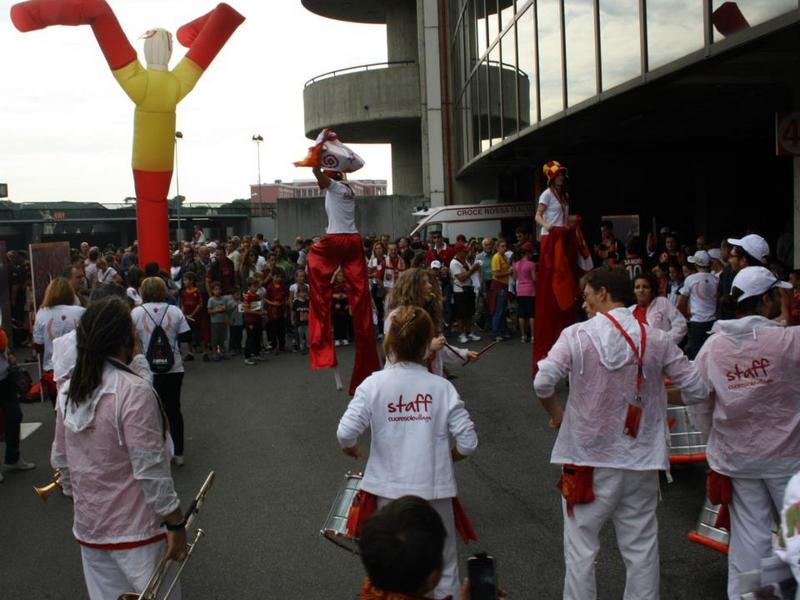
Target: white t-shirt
point(701, 289)
point(456, 268)
point(106, 276)
point(90, 271)
point(174, 324)
point(340, 205)
point(553, 212)
point(51, 323)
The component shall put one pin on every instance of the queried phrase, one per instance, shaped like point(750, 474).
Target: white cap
point(158, 49)
point(700, 258)
point(755, 245)
point(212, 245)
point(754, 281)
point(715, 253)
point(435, 264)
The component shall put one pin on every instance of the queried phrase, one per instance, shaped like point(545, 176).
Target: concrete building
point(269, 193)
point(662, 109)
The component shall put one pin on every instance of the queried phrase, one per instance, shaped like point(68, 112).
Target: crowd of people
point(675, 311)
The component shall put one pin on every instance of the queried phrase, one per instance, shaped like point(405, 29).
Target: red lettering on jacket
point(757, 369)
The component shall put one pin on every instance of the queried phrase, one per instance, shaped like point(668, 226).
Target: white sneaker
point(474, 338)
point(345, 342)
point(20, 465)
point(462, 339)
point(249, 361)
point(337, 343)
point(523, 339)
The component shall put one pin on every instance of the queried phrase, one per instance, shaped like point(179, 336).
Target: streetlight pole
point(178, 232)
point(258, 139)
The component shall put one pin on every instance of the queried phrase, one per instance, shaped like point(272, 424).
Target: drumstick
point(456, 352)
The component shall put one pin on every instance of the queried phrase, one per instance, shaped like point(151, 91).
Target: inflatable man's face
point(158, 49)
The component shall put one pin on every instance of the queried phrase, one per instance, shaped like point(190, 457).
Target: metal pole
point(258, 139)
point(178, 232)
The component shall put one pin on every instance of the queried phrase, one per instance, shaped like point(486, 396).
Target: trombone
point(157, 579)
point(46, 491)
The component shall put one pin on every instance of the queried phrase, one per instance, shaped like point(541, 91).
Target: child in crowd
point(253, 313)
point(300, 308)
point(341, 311)
point(218, 311)
point(674, 284)
point(236, 312)
point(299, 279)
point(191, 303)
point(277, 300)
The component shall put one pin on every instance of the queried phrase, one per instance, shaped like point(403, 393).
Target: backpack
point(159, 353)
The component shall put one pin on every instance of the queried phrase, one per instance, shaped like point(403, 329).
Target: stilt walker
point(563, 258)
point(156, 91)
point(342, 247)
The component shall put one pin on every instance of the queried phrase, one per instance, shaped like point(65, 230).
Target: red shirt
point(444, 255)
point(276, 293)
point(249, 298)
point(190, 300)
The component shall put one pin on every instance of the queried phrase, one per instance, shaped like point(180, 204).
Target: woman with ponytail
point(111, 448)
point(412, 415)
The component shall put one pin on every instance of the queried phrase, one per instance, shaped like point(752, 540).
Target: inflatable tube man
point(156, 92)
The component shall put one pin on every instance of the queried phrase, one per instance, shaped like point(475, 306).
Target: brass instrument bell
point(45, 491)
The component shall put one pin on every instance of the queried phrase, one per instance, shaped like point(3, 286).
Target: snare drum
point(686, 443)
point(335, 528)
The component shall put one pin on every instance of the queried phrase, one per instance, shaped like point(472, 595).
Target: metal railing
point(359, 68)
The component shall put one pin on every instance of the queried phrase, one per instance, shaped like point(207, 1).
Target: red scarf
point(370, 592)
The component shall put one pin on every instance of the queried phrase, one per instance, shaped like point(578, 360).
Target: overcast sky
point(66, 126)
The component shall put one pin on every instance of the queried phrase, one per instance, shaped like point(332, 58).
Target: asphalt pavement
point(269, 433)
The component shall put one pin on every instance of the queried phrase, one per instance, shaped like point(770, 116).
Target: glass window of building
point(729, 18)
point(550, 84)
point(506, 13)
point(492, 19)
point(495, 95)
point(478, 10)
point(674, 29)
point(620, 46)
point(527, 68)
point(508, 50)
point(579, 30)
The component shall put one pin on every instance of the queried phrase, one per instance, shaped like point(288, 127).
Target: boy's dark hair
point(134, 277)
point(94, 254)
point(151, 269)
point(215, 284)
point(278, 272)
point(650, 278)
point(616, 281)
point(235, 288)
point(402, 544)
point(293, 255)
point(190, 276)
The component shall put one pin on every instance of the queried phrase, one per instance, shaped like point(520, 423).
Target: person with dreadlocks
point(412, 415)
point(111, 448)
point(416, 287)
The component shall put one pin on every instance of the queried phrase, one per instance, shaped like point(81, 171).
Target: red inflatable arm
point(206, 35)
point(38, 14)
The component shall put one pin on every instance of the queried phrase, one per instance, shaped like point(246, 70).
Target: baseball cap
point(700, 258)
point(212, 245)
point(715, 253)
point(460, 247)
point(435, 264)
point(754, 281)
point(755, 245)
